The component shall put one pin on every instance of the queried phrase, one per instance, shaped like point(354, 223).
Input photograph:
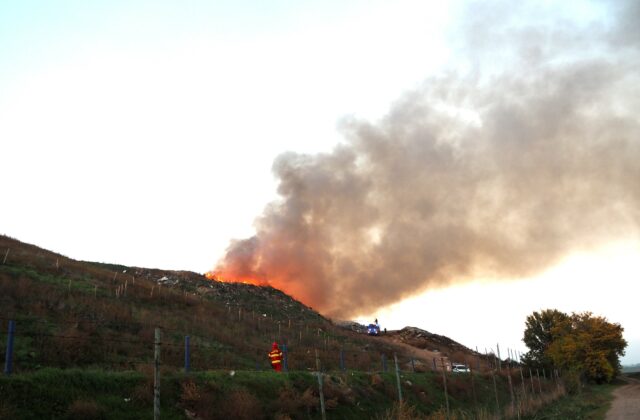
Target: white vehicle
point(459, 368)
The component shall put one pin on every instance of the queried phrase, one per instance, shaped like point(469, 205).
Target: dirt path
point(626, 403)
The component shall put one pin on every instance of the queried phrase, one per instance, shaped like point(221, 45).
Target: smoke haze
point(501, 170)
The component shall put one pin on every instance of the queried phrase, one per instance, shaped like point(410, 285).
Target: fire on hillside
point(217, 276)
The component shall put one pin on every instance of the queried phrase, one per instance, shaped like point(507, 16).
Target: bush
point(400, 411)
point(85, 410)
point(572, 382)
point(240, 404)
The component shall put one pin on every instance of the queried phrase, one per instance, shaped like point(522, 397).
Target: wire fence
point(194, 352)
point(88, 341)
point(104, 344)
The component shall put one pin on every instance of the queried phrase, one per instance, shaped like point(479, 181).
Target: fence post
point(533, 391)
point(8, 358)
point(320, 392)
point(156, 376)
point(444, 382)
point(342, 367)
point(384, 363)
point(395, 357)
point(495, 391)
point(187, 354)
point(435, 367)
point(513, 399)
point(413, 366)
point(473, 386)
point(285, 353)
point(4, 261)
point(524, 390)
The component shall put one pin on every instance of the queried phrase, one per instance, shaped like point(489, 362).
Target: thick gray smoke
point(499, 172)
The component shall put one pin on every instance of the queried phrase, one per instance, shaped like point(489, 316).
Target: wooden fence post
point(495, 391)
point(156, 376)
point(187, 354)
point(320, 392)
point(513, 400)
point(524, 390)
point(444, 383)
point(533, 391)
point(473, 387)
point(6, 254)
point(395, 357)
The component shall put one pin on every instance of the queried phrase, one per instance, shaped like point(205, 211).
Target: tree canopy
point(581, 342)
point(538, 336)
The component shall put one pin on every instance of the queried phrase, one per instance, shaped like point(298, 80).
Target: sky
point(332, 145)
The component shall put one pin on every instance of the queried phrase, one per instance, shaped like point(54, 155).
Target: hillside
point(76, 313)
point(90, 326)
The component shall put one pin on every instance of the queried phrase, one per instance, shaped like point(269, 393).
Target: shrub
point(85, 410)
point(400, 411)
point(241, 405)
point(572, 382)
point(190, 393)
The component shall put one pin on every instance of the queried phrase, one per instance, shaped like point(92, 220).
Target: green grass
point(50, 393)
point(592, 403)
point(69, 330)
point(79, 285)
point(61, 394)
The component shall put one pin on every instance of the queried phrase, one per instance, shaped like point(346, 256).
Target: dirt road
point(626, 404)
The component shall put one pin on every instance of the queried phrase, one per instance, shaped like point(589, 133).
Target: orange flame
point(220, 277)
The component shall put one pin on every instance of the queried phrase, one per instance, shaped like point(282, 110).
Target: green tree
point(539, 334)
point(588, 345)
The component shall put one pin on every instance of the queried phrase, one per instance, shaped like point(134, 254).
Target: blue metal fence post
point(342, 367)
point(384, 363)
point(286, 357)
point(187, 354)
point(8, 359)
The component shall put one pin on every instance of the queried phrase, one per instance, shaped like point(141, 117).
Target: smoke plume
point(501, 170)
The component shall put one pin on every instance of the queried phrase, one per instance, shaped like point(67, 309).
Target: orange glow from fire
point(221, 277)
point(275, 279)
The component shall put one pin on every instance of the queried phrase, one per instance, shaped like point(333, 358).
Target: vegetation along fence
point(166, 350)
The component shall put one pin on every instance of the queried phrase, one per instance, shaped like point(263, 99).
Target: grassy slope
point(68, 317)
point(252, 395)
point(592, 403)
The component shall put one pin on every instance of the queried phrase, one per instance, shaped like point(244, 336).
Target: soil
point(425, 355)
point(626, 403)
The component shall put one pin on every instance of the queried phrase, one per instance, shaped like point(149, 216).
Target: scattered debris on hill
point(428, 341)
point(259, 298)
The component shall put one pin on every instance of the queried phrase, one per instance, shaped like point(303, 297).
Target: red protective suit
point(275, 356)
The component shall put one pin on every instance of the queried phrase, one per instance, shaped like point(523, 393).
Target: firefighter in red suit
point(275, 356)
